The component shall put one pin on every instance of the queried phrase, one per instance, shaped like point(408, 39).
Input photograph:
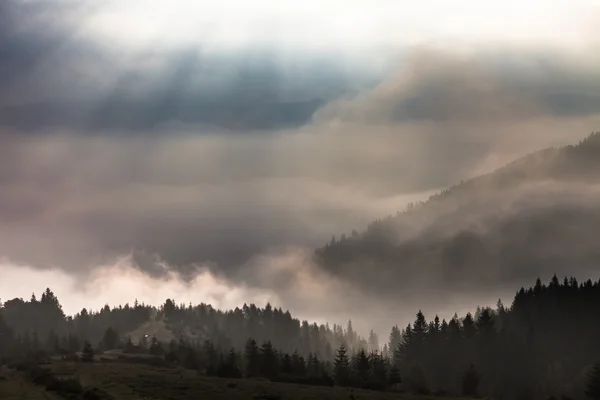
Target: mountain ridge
point(531, 212)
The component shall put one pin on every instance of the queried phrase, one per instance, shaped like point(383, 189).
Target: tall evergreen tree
point(252, 358)
point(341, 366)
point(268, 360)
point(360, 367)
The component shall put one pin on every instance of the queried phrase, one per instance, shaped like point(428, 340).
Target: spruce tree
point(210, 360)
point(252, 358)
point(229, 367)
point(361, 367)
point(268, 360)
point(341, 366)
point(404, 350)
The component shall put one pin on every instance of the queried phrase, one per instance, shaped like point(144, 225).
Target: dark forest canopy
point(533, 217)
point(544, 344)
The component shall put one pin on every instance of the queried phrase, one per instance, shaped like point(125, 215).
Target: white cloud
point(314, 25)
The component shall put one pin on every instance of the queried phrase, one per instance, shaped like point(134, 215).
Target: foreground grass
point(124, 381)
point(14, 387)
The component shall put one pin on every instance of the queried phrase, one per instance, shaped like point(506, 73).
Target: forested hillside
point(534, 217)
point(544, 344)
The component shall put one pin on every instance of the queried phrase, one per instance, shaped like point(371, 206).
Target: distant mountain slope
point(535, 216)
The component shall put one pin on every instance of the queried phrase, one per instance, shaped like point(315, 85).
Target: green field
point(132, 381)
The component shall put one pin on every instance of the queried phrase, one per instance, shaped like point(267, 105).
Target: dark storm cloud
point(55, 74)
point(220, 199)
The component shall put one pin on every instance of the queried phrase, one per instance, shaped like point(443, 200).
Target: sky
point(201, 150)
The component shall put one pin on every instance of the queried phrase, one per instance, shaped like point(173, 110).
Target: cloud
point(230, 160)
point(221, 198)
point(307, 291)
point(446, 88)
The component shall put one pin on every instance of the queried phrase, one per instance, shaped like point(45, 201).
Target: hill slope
point(535, 216)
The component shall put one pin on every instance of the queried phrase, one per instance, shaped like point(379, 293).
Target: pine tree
point(420, 328)
point(485, 323)
point(341, 366)
point(404, 350)
point(360, 367)
point(378, 367)
point(469, 326)
point(373, 341)
point(268, 360)
point(229, 367)
point(252, 358)
point(593, 383)
point(210, 360)
point(87, 352)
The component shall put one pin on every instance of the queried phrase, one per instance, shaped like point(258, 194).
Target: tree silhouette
point(268, 360)
point(341, 366)
point(252, 358)
point(523, 350)
point(360, 367)
point(229, 367)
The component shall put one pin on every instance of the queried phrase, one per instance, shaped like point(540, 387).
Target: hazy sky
point(226, 139)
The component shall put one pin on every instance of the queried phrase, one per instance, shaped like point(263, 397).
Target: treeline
point(43, 321)
point(545, 344)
